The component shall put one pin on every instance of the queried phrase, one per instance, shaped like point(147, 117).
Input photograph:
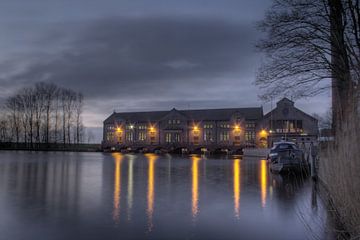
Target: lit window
point(142, 136)
point(129, 136)
point(168, 137)
point(177, 137)
point(224, 136)
point(208, 135)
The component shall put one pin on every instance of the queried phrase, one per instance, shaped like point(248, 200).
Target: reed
point(339, 169)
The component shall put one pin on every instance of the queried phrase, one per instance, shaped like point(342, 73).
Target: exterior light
point(263, 133)
point(118, 130)
point(237, 128)
point(271, 131)
point(196, 128)
point(152, 129)
point(131, 126)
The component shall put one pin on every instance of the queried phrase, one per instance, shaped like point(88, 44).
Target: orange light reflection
point(151, 187)
point(117, 186)
point(263, 182)
point(237, 187)
point(195, 186)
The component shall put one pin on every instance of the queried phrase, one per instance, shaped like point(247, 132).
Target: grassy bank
point(339, 170)
point(51, 147)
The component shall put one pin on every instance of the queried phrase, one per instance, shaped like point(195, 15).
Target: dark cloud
point(149, 55)
point(143, 56)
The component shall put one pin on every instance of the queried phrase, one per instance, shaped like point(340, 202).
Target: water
point(114, 196)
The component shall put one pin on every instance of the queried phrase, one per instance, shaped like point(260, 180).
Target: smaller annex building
point(290, 123)
point(209, 129)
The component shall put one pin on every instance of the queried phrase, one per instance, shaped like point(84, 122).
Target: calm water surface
point(114, 196)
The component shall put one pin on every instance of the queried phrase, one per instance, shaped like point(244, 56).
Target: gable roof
point(267, 115)
point(195, 115)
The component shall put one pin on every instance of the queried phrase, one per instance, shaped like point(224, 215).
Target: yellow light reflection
point(117, 186)
point(237, 187)
point(151, 187)
point(130, 186)
point(195, 186)
point(263, 181)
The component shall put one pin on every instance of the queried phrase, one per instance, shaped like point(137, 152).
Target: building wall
point(291, 116)
point(177, 130)
point(205, 133)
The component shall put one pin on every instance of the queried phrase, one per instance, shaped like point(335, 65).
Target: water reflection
point(130, 186)
point(151, 187)
point(78, 196)
point(237, 187)
point(117, 186)
point(263, 181)
point(195, 186)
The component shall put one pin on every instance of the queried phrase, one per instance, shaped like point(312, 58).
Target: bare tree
point(308, 43)
point(4, 130)
point(36, 112)
point(12, 106)
point(78, 120)
point(49, 92)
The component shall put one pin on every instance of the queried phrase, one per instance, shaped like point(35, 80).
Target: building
point(290, 123)
point(211, 129)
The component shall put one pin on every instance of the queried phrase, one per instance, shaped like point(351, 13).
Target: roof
point(195, 115)
point(267, 115)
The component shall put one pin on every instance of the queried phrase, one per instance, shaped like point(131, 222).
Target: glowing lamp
point(118, 130)
point(263, 133)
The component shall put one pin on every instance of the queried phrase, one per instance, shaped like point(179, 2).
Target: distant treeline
point(43, 113)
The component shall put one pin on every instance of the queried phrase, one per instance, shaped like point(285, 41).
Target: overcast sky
point(132, 55)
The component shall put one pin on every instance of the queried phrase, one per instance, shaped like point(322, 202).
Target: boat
point(286, 157)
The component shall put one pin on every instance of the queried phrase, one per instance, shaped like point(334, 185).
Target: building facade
point(211, 129)
point(290, 123)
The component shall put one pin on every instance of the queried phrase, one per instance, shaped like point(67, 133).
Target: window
point(177, 137)
point(129, 136)
point(208, 135)
point(109, 136)
point(250, 136)
point(174, 121)
point(129, 127)
point(142, 127)
point(224, 136)
point(208, 126)
point(168, 137)
point(250, 125)
point(286, 126)
point(142, 136)
point(224, 125)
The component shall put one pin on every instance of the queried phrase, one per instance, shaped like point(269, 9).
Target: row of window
point(174, 121)
point(250, 136)
point(250, 125)
point(177, 121)
point(172, 138)
point(224, 125)
point(175, 137)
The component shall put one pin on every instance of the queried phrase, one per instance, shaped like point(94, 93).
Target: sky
point(138, 55)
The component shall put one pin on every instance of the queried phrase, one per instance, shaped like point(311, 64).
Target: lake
point(59, 195)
